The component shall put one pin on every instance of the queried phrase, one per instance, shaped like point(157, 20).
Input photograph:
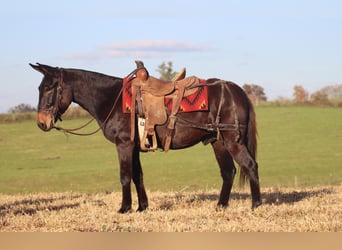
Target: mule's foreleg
point(126, 203)
point(227, 169)
point(139, 181)
point(125, 154)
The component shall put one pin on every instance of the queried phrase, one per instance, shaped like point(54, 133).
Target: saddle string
point(218, 116)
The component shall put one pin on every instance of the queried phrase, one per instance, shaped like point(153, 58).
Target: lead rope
point(71, 131)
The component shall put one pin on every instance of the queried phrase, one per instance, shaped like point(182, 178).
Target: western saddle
point(149, 93)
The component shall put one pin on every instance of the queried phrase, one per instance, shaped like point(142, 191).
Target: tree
point(255, 93)
point(300, 94)
point(22, 108)
point(320, 98)
point(166, 72)
point(332, 91)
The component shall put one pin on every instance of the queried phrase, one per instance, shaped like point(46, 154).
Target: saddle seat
point(150, 92)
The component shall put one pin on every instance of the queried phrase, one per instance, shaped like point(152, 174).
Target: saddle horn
point(141, 71)
point(140, 64)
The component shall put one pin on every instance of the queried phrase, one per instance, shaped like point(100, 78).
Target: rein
point(72, 131)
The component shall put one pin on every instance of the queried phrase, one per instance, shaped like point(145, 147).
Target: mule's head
point(55, 96)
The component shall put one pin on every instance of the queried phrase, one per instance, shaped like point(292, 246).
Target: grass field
point(298, 147)
point(316, 209)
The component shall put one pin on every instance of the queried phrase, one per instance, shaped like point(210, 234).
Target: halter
point(57, 92)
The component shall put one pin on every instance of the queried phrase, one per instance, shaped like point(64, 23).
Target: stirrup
point(146, 146)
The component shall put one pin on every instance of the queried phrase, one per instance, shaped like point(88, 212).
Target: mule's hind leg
point(227, 169)
point(249, 167)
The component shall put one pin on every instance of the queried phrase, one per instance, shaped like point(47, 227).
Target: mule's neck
point(95, 92)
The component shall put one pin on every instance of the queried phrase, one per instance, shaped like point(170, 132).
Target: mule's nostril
point(44, 121)
point(42, 126)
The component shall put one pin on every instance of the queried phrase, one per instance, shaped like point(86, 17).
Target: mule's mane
point(87, 73)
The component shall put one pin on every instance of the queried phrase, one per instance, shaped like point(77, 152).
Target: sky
point(275, 44)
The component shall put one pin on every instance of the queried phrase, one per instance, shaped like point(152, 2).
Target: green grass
point(298, 146)
point(31, 160)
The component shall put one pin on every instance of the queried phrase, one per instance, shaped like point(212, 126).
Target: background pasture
point(298, 146)
point(53, 182)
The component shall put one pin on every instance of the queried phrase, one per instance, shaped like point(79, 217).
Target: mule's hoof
point(222, 204)
point(256, 204)
point(221, 207)
point(124, 210)
point(142, 207)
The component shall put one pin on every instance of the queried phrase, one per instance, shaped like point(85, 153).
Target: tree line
point(327, 96)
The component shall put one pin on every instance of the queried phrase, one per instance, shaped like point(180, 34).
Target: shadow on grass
point(32, 206)
point(269, 197)
point(278, 197)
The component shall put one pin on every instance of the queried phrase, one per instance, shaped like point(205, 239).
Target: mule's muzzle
point(45, 121)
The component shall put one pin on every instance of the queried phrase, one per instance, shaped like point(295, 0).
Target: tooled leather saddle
point(150, 93)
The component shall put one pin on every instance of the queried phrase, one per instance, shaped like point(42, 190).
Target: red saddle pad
point(198, 101)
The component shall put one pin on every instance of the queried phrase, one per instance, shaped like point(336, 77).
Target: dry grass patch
point(300, 210)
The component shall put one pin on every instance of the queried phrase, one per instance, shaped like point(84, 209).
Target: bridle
point(57, 114)
point(59, 90)
point(56, 93)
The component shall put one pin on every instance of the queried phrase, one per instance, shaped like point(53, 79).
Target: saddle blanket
point(195, 102)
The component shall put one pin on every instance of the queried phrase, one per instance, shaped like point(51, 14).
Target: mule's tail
point(251, 139)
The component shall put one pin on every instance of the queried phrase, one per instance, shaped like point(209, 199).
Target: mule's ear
point(44, 69)
point(39, 68)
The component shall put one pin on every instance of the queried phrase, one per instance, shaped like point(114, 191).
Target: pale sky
point(275, 44)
